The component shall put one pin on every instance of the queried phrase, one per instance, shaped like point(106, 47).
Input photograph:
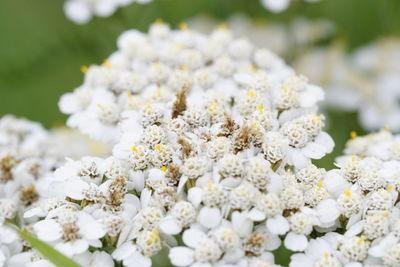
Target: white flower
point(72, 232)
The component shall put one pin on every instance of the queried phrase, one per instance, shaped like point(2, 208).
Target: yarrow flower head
point(212, 144)
point(28, 156)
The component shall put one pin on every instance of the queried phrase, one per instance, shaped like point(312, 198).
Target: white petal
point(275, 184)
point(300, 260)
point(241, 223)
point(355, 229)
point(72, 248)
point(382, 247)
point(193, 236)
point(89, 227)
point(275, 5)
point(278, 225)
point(181, 256)
point(326, 141)
point(194, 196)
point(311, 96)
point(335, 183)
point(136, 260)
point(101, 259)
point(256, 215)
point(232, 256)
point(182, 183)
point(273, 242)
point(68, 103)
point(48, 230)
point(210, 217)
point(170, 225)
point(327, 211)
point(297, 158)
point(145, 197)
point(138, 180)
point(317, 247)
point(124, 251)
point(77, 11)
point(74, 188)
point(313, 150)
point(295, 242)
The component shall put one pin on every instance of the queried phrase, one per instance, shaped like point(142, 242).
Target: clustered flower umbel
point(365, 187)
point(28, 155)
point(82, 11)
point(211, 162)
point(213, 141)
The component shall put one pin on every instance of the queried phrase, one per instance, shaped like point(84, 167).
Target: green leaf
point(45, 249)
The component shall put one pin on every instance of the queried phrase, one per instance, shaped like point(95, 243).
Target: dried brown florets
point(71, 232)
point(255, 243)
point(179, 105)
point(29, 194)
point(6, 165)
point(187, 149)
point(173, 175)
point(229, 126)
point(245, 136)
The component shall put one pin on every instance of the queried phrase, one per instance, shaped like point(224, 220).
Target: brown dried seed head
point(6, 165)
point(29, 194)
point(71, 232)
point(173, 175)
point(187, 149)
point(229, 126)
point(179, 105)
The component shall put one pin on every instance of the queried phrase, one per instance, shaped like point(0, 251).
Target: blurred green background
point(41, 51)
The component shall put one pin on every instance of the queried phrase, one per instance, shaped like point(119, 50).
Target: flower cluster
point(81, 11)
point(366, 186)
point(28, 155)
point(277, 6)
point(213, 141)
point(366, 80)
point(212, 162)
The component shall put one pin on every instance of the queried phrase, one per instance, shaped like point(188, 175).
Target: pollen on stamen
point(390, 187)
point(251, 93)
point(320, 184)
point(164, 169)
point(347, 192)
point(223, 26)
point(159, 21)
point(183, 26)
point(158, 147)
point(353, 134)
point(84, 69)
point(107, 63)
point(134, 148)
point(183, 67)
